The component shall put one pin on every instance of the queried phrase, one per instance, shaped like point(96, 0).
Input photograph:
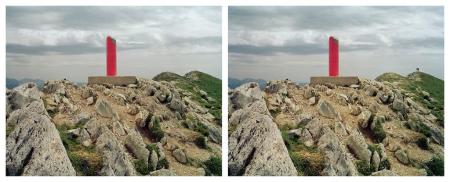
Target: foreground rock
point(256, 146)
point(34, 146)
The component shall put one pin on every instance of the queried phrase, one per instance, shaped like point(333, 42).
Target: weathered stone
point(384, 173)
point(358, 146)
point(375, 160)
point(34, 147)
point(364, 119)
point(90, 100)
point(136, 145)
point(180, 156)
point(153, 160)
point(163, 172)
point(104, 109)
point(402, 156)
point(326, 109)
point(141, 118)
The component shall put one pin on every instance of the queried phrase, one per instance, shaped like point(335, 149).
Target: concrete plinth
point(336, 80)
point(114, 80)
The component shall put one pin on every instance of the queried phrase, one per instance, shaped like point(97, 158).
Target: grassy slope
point(195, 80)
point(417, 81)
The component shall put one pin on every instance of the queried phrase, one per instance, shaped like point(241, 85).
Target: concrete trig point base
point(114, 80)
point(336, 80)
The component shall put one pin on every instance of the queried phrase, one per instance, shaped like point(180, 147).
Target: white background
point(224, 4)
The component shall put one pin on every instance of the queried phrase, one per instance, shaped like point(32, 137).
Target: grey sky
point(69, 42)
point(292, 42)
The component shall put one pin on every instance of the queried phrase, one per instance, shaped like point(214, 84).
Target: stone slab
point(114, 80)
point(337, 80)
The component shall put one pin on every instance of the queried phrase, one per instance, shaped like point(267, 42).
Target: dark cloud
point(284, 38)
point(75, 36)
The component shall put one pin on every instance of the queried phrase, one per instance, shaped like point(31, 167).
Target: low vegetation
point(213, 166)
point(435, 167)
point(364, 167)
point(378, 132)
point(156, 130)
point(307, 160)
point(85, 160)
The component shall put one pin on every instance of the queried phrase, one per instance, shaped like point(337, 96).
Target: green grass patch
point(141, 167)
point(364, 167)
point(85, 160)
point(156, 131)
point(213, 166)
point(435, 167)
point(378, 132)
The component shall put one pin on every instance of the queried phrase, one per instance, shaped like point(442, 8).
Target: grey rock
point(375, 160)
point(34, 147)
point(384, 173)
point(141, 118)
point(163, 172)
point(115, 161)
point(359, 146)
point(400, 106)
point(364, 118)
point(402, 156)
point(136, 145)
point(180, 156)
point(337, 161)
point(90, 100)
point(23, 95)
point(104, 109)
point(326, 109)
point(153, 162)
point(257, 148)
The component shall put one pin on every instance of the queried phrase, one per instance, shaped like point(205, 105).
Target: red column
point(333, 57)
point(110, 57)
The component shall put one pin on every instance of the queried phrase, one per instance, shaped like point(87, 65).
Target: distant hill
point(11, 82)
point(417, 82)
point(233, 82)
point(195, 81)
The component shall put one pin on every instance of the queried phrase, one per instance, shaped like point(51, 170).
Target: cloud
point(276, 36)
point(37, 33)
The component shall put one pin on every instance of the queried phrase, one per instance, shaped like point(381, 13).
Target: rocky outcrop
point(34, 146)
point(256, 146)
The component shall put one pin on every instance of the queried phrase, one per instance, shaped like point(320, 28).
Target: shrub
point(424, 129)
point(364, 167)
point(201, 128)
point(141, 167)
point(435, 167)
point(422, 142)
point(201, 142)
point(156, 130)
point(213, 166)
point(163, 163)
point(305, 166)
point(384, 165)
point(378, 132)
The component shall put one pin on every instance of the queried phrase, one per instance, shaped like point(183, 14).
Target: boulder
point(326, 109)
point(132, 109)
point(342, 99)
point(337, 161)
point(23, 95)
point(364, 119)
point(163, 172)
point(104, 109)
point(257, 148)
point(400, 106)
point(384, 173)
point(375, 160)
point(136, 145)
point(244, 95)
point(34, 147)
point(153, 162)
point(141, 118)
point(115, 161)
point(358, 146)
point(90, 101)
point(402, 156)
point(180, 156)
point(355, 110)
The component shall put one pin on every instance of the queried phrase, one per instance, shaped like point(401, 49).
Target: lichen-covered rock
point(180, 156)
point(326, 109)
point(34, 147)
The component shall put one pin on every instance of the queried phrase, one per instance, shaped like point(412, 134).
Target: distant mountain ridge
point(11, 82)
point(234, 82)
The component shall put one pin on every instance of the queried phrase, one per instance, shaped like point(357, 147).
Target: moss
point(364, 167)
point(378, 132)
point(213, 166)
point(141, 167)
point(201, 142)
point(435, 167)
point(422, 142)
